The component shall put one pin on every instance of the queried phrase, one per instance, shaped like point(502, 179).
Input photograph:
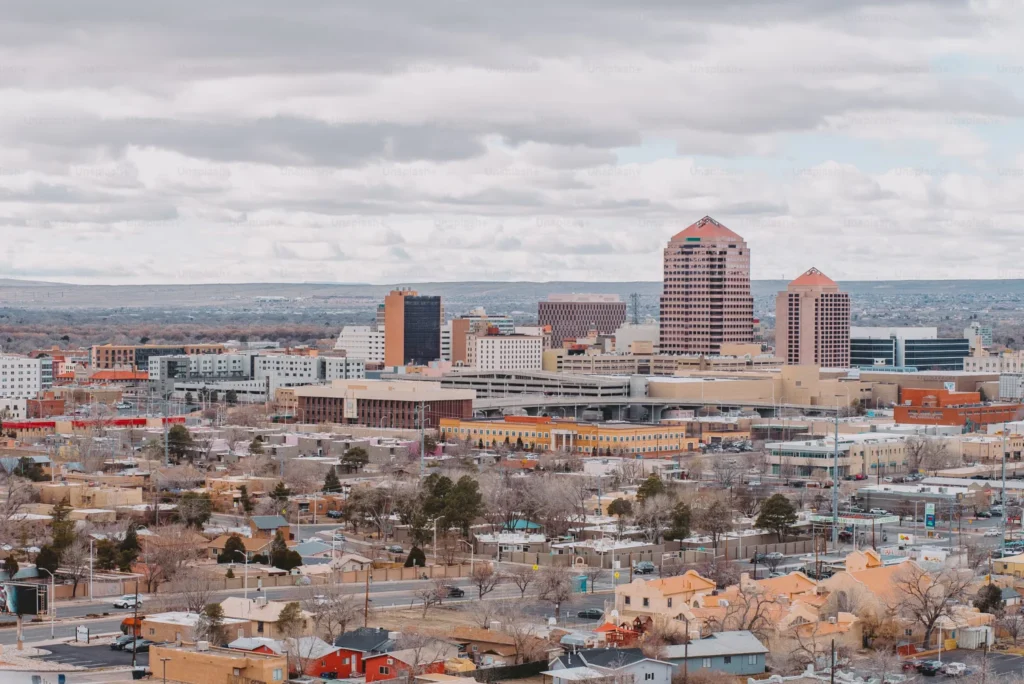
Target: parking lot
point(99, 655)
point(998, 663)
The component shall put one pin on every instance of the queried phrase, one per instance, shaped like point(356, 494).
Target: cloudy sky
point(401, 140)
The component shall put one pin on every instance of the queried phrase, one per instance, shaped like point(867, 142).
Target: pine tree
point(245, 499)
point(62, 527)
point(778, 515)
point(281, 492)
point(331, 482)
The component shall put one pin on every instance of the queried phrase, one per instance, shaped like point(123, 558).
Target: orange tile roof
point(119, 375)
point(706, 227)
point(788, 585)
point(687, 582)
point(814, 277)
point(879, 581)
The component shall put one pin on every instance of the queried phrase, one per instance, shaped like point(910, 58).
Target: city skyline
point(573, 142)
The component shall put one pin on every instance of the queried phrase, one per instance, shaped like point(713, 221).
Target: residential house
point(263, 615)
point(177, 627)
point(428, 659)
point(361, 643)
point(204, 665)
point(253, 546)
point(258, 645)
point(1011, 597)
point(350, 562)
point(316, 657)
point(609, 665)
point(488, 647)
point(269, 525)
point(643, 602)
point(737, 653)
point(313, 549)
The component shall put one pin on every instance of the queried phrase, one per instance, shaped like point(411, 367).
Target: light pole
point(50, 604)
point(835, 485)
point(245, 590)
point(90, 568)
point(164, 661)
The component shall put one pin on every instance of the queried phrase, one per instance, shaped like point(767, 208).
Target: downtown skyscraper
point(706, 300)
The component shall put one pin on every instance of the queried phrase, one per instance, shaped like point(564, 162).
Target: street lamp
point(246, 580)
point(50, 605)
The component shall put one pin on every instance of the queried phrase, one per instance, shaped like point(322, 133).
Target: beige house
point(83, 495)
point(263, 616)
point(655, 601)
point(205, 665)
point(180, 627)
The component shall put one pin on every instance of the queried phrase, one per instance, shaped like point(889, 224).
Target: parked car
point(930, 668)
point(334, 514)
point(982, 514)
point(140, 646)
point(992, 533)
point(887, 479)
point(123, 405)
point(644, 568)
point(590, 614)
point(878, 511)
point(119, 643)
point(954, 669)
point(395, 548)
point(911, 665)
point(455, 592)
point(338, 537)
point(128, 602)
point(860, 476)
point(775, 573)
point(775, 555)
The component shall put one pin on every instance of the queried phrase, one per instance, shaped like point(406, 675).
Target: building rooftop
point(740, 642)
point(706, 227)
point(813, 278)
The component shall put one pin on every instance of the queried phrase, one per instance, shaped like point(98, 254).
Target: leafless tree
point(333, 609)
point(428, 595)
point(653, 516)
point(194, 587)
point(1012, 624)
point(485, 578)
point(74, 563)
point(726, 471)
point(528, 648)
point(593, 573)
point(925, 597)
point(883, 662)
point(163, 556)
point(483, 613)
point(629, 470)
point(554, 586)
point(748, 609)
point(420, 651)
point(16, 492)
point(522, 576)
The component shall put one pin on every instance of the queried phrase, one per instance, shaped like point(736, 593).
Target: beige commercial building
point(82, 495)
point(643, 361)
point(177, 627)
point(205, 665)
point(871, 454)
point(812, 322)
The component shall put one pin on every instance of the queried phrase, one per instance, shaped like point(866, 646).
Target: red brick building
point(416, 661)
point(380, 403)
point(45, 406)
point(945, 407)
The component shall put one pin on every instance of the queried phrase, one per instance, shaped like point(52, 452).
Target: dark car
point(590, 614)
point(930, 668)
point(334, 514)
point(644, 568)
point(118, 644)
point(758, 558)
point(455, 592)
point(982, 514)
point(911, 665)
point(140, 646)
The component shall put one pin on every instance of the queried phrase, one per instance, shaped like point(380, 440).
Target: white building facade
point(508, 352)
point(20, 377)
point(367, 343)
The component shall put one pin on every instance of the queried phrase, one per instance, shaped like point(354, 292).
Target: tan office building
point(812, 322)
point(205, 665)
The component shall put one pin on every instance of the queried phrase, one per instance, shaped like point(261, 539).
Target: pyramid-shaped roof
point(706, 227)
point(814, 278)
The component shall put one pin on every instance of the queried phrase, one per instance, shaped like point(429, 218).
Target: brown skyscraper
point(705, 298)
point(812, 322)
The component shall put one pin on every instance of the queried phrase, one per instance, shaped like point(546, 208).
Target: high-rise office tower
point(412, 328)
point(812, 322)
point(574, 315)
point(705, 298)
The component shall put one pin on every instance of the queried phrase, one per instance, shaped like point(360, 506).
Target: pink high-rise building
point(705, 298)
point(812, 322)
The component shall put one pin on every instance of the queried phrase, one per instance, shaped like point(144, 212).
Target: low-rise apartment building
point(136, 356)
point(868, 454)
point(20, 376)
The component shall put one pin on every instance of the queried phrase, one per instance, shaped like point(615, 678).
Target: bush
point(416, 558)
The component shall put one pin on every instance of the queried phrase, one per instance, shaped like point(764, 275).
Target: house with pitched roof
point(608, 665)
point(269, 525)
point(644, 602)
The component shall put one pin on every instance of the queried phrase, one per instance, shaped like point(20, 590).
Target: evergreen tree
point(106, 555)
point(281, 557)
point(331, 482)
point(234, 550)
point(62, 527)
point(652, 486)
point(128, 549)
point(47, 559)
point(777, 515)
point(463, 504)
point(355, 458)
point(280, 492)
point(990, 600)
point(256, 446)
point(11, 567)
point(231, 396)
point(681, 520)
point(416, 558)
point(179, 443)
point(245, 499)
point(620, 508)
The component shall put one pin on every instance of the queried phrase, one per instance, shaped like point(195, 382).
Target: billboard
point(22, 598)
point(929, 515)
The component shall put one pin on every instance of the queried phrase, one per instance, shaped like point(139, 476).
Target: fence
point(494, 674)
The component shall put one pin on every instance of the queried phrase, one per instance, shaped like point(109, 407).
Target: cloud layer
point(399, 141)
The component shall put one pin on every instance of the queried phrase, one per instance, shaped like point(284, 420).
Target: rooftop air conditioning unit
point(202, 645)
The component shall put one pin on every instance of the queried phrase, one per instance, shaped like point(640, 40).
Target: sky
point(399, 140)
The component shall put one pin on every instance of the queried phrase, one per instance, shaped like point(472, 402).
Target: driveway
point(91, 656)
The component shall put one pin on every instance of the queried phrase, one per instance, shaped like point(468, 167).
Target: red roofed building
point(706, 300)
point(118, 377)
point(812, 322)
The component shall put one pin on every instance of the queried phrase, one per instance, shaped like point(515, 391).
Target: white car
point(128, 602)
point(992, 533)
point(954, 669)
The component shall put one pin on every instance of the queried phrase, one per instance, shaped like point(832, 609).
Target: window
point(259, 627)
point(647, 602)
point(648, 676)
point(344, 661)
point(908, 632)
point(278, 675)
point(705, 662)
point(728, 660)
point(627, 601)
point(237, 671)
point(152, 631)
point(751, 660)
point(669, 601)
point(383, 670)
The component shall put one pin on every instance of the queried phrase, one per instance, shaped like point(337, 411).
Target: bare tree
point(194, 587)
point(924, 597)
point(1012, 624)
point(483, 613)
point(749, 609)
point(522, 576)
point(726, 471)
point(74, 563)
point(554, 586)
point(333, 609)
point(484, 578)
point(16, 492)
point(593, 573)
point(164, 555)
point(428, 595)
point(528, 648)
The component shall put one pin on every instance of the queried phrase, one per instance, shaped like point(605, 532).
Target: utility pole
point(135, 625)
point(423, 421)
point(366, 602)
point(1002, 493)
point(835, 487)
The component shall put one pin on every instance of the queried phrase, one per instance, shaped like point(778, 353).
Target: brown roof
point(814, 277)
point(252, 545)
point(706, 227)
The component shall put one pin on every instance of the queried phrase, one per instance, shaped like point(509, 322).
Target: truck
point(131, 625)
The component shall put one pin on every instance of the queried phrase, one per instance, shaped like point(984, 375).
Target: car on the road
point(954, 669)
point(119, 643)
point(860, 476)
point(394, 548)
point(775, 556)
point(128, 601)
point(910, 665)
point(334, 514)
point(124, 405)
point(992, 533)
point(982, 514)
point(140, 646)
point(590, 614)
point(454, 592)
point(644, 568)
point(775, 573)
point(338, 537)
point(887, 479)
